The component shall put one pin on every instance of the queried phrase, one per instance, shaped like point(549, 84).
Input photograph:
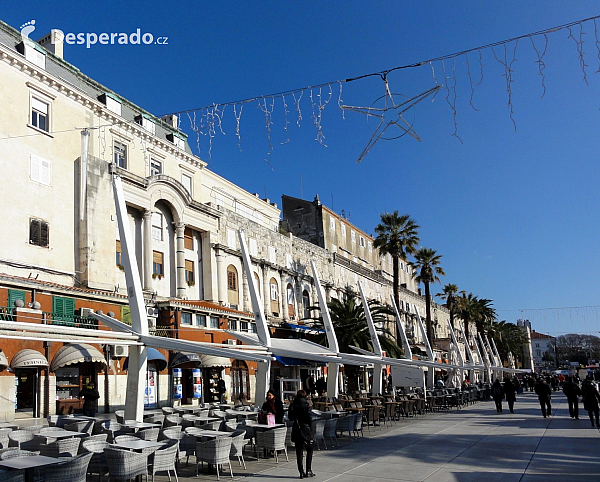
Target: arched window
point(274, 297)
point(290, 300)
point(232, 286)
point(306, 303)
point(240, 381)
point(257, 283)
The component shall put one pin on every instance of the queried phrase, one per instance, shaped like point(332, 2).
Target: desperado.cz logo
point(113, 38)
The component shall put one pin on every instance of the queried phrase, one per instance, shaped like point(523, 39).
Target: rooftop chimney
point(172, 120)
point(54, 42)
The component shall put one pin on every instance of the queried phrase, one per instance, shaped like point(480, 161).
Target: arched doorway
point(240, 381)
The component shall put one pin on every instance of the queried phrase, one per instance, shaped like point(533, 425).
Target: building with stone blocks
point(63, 136)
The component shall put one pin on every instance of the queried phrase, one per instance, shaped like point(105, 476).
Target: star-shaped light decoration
point(397, 120)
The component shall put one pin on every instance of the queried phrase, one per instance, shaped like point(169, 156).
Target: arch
point(232, 285)
point(240, 380)
point(306, 303)
point(165, 188)
point(290, 300)
point(274, 296)
point(257, 282)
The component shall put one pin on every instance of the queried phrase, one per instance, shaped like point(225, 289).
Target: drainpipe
point(107, 349)
point(46, 410)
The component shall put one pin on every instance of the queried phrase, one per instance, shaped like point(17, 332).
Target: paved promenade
point(470, 444)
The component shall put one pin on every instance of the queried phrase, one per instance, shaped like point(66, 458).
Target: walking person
point(591, 397)
point(221, 389)
point(90, 399)
point(510, 392)
point(302, 434)
point(572, 391)
point(544, 393)
point(498, 394)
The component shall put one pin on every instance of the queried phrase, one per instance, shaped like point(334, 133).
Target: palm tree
point(485, 315)
point(467, 308)
point(426, 264)
point(350, 325)
point(397, 236)
point(449, 294)
point(509, 338)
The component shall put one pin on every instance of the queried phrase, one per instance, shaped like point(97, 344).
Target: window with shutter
point(14, 295)
point(39, 233)
point(63, 309)
point(157, 263)
point(119, 254)
point(189, 272)
point(39, 114)
point(40, 170)
point(188, 238)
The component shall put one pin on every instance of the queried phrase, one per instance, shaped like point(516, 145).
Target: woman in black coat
point(273, 405)
point(591, 397)
point(510, 392)
point(302, 434)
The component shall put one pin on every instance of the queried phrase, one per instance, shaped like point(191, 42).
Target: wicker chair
point(97, 463)
point(345, 424)
point(156, 419)
point(273, 439)
point(13, 476)
point(148, 434)
point(125, 465)
point(18, 437)
point(66, 447)
point(83, 426)
point(218, 413)
point(33, 428)
point(172, 420)
point(120, 416)
point(4, 440)
point(167, 410)
point(318, 427)
point(59, 420)
point(187, 422)
point(213, 425)
point(125, 438)
point(12, 452)
point(238, 442)
point(170, 433)
point(357, 425)
point(215, 452)
point(231, 426)
point(74, 470)
point(109, 428)
point(165, 459)
point(329, 431)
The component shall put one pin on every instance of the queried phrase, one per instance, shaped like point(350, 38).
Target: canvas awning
point(28, 358)
point(304, 329)
point(76, 353)
point(153, 356)
point(183, 358)
point(209, 361)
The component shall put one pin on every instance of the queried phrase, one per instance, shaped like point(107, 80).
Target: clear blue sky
point(515, 215)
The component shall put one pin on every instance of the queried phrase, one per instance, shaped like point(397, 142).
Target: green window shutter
point(15, 295)
point(126, 315)
point(63, 309)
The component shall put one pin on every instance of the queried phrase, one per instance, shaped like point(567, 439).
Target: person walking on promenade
point(302, 434)
point(590, 394)
point(90, 399)
point(544, 393)
point(510, 392)
point(498, 394)
point(572, 391)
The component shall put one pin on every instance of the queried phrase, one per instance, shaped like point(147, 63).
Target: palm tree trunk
point(396, 288)
point(450, 305)
point(428, 323)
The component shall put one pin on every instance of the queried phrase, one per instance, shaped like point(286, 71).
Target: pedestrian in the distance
point(572, 392)
point(221, 389)
point(510, 392)
point(302, 434)
point(497, 394)
point(591, 397)
point(544, 393)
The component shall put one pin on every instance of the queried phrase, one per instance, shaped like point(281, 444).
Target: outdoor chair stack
point(273, 439)
point(357, 426)
point(215, 452)
point(345, 424)
point(73, 470)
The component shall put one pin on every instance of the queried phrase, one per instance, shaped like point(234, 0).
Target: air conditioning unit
point(119, 351)
point(151, 312)
point(85, 312)
point(231, 342)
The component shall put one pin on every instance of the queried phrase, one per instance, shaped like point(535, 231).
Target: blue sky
point(514, 214)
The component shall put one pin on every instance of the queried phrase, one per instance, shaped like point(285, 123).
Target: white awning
point(209, 361)
point(76, 353)
point(3, 360)
point(28, 358)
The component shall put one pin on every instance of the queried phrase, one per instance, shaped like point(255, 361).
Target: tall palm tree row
point(426, 265)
